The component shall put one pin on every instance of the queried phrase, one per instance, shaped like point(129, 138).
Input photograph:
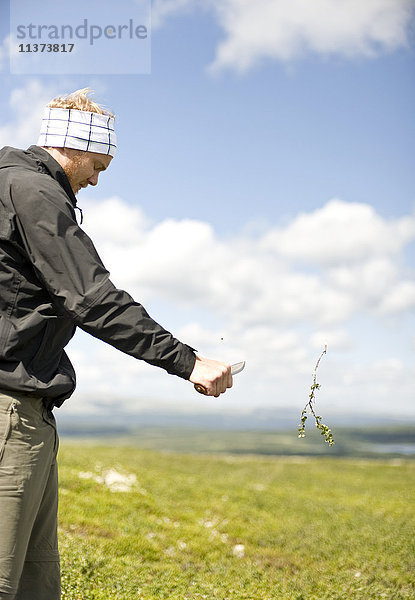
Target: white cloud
point(26, 105)
point(381, 377)
point(268, 303)
point(286, 30)
point(161, 10)
point(334, 339)
point(341, 232)
point(7, 48)
point(357, 255)
point(126, 225)
point(399, 299)
point(3, 56)
point(309, 271)
point(377, 285)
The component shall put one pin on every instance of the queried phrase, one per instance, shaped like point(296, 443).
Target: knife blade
point(235, 369)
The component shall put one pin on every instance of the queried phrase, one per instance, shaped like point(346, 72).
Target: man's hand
point(213, 375)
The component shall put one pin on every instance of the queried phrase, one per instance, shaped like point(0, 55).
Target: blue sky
point(261, 201)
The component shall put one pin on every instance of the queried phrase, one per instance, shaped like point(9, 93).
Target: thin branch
point(309, 407)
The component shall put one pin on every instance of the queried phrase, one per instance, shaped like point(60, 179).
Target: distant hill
point(215, 435)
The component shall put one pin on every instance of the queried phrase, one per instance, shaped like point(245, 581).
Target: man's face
point(83, 168)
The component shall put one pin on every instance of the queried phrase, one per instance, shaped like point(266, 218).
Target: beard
point(73, 169)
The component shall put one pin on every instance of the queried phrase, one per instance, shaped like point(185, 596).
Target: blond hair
point(79, 100)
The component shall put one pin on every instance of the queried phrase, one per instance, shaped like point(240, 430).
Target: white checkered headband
point(78, 129)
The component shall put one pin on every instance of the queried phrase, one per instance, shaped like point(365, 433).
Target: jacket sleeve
point(67, 264)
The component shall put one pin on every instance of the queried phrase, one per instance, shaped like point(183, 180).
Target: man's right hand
point(214, 376)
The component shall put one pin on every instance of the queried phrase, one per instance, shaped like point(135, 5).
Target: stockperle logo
point(80, 37)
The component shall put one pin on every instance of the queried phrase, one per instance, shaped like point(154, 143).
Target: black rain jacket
point(52, 280)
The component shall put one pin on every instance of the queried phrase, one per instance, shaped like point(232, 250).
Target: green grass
point(311, 528)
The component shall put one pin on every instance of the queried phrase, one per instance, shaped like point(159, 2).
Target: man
point(52, 281)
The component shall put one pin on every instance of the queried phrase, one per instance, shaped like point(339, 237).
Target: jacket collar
point(54, 169)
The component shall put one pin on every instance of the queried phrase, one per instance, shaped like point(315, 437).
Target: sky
point(261, 202)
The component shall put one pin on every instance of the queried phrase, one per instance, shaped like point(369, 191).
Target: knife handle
point(200, 388)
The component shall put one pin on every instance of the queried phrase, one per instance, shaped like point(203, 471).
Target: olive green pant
point(29, 558)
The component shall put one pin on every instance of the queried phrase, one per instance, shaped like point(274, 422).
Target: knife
point(236, 368)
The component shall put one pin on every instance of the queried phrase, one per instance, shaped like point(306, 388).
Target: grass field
point(234, 527)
